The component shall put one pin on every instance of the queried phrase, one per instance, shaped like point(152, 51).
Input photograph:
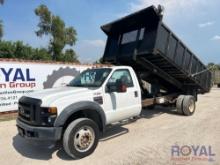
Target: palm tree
point(1, 1)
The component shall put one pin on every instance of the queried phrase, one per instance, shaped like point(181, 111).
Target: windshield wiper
point(69, 85)
point(80, 85)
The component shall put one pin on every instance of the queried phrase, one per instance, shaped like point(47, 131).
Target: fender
point(75, 107)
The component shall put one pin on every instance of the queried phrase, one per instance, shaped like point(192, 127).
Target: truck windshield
point(90, 78)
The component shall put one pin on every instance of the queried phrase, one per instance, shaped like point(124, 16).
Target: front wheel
point(81, 138)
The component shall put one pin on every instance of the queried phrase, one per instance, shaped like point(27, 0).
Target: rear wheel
point(80, 138)
point(189, 105)
point(179, 104)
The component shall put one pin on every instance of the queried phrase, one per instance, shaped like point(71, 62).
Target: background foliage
point(213, 66)
point(50, 25)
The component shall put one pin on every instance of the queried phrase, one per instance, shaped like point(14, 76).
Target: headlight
point(48, 110)
point(48, 115)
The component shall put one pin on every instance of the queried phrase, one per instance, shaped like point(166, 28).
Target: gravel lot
point(148, 140)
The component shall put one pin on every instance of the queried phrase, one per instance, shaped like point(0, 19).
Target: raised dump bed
point(144, 42)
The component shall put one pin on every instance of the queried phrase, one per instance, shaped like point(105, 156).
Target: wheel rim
point(191, 106)
point(84, 139)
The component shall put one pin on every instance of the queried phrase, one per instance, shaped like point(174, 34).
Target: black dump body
point(143, 41)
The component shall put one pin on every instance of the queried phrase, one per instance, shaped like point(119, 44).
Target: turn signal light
point(52, 110)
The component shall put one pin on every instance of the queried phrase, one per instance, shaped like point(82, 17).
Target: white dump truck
point(78, 113)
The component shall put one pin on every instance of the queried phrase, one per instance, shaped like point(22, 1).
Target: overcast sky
point(196, 22)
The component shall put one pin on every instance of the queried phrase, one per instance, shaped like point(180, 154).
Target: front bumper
point(38, 133)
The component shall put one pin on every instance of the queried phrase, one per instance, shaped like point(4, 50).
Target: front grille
point(24, 111)
point(28, 110)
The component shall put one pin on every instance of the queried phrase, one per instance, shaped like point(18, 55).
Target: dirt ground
point(149, 140)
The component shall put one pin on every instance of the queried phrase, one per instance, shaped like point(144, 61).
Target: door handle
point(135, 93)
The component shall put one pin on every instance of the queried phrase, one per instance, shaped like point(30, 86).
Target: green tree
point(1, 29)
point(54, 26)
point(213, 66)
point(1, 25)
point(69, 56)
point(20, 50)
point(41, 54)
point(7, 49)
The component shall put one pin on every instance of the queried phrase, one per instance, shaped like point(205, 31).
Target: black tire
point(71, 133)
point(179, 104)
point(189, 105)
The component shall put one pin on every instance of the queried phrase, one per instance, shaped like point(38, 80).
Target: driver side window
point(123, 76)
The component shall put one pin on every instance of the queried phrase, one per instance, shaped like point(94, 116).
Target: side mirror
point(122, 88)
point(116, 87)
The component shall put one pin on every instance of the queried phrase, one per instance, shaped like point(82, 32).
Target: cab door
point(121, 105)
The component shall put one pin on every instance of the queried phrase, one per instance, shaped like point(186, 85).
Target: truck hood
point(49, 96)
